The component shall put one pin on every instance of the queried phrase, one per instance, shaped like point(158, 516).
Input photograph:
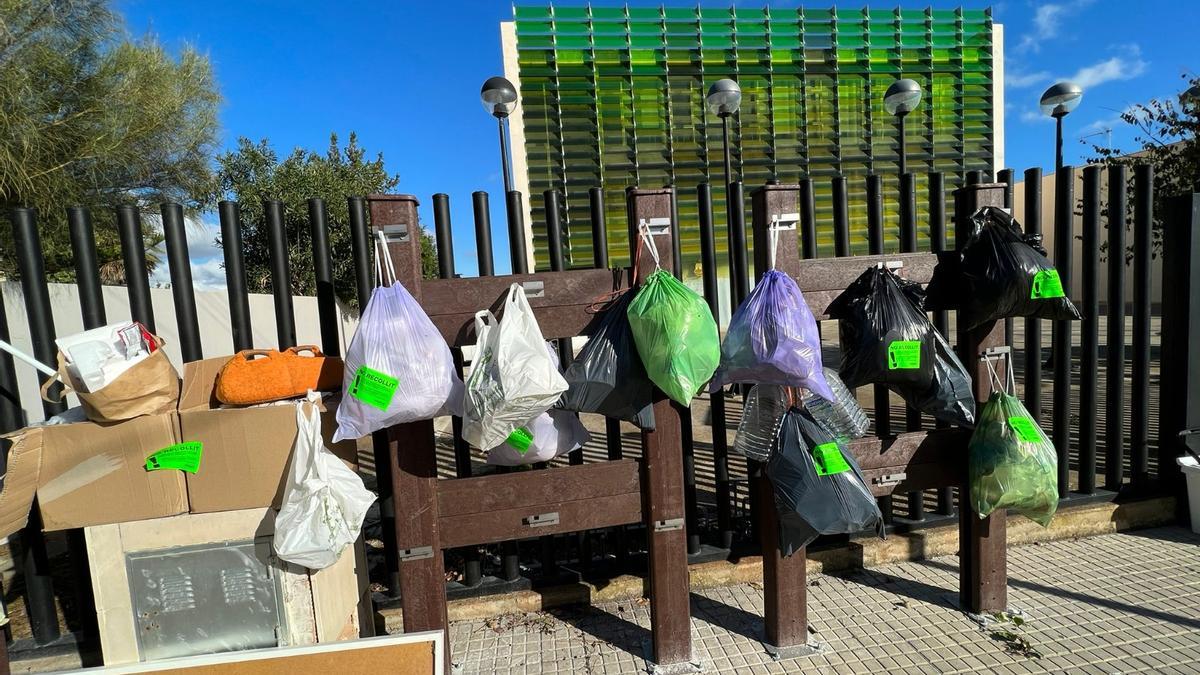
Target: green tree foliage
point(253, 173)
point(91, 117)
point(1166, 134)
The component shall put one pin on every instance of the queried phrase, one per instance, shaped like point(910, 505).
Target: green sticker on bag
point(829, 460)
point(181, 456)
point(520, 439)
point(1027, 429)
point(904, 355)
point(373, 387)
point(1047, 284)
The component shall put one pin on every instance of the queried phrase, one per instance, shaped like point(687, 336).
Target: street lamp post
point(901, 98)
point(499, 98)
point(724, 97)
point(1059, 100)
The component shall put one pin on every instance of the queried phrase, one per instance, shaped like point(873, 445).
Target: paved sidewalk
point(1118, 603)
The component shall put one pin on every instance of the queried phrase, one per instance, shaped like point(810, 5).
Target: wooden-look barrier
point(433, 515)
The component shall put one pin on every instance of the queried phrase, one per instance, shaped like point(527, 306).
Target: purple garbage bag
point(773, 339)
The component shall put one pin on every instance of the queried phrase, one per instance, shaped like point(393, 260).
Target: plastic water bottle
point(843, 417)
point(765, 406)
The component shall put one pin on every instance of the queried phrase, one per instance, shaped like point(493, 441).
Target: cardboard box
point(91, 474)
point(246, 450)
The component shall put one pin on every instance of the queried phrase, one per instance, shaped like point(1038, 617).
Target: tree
point(92, 118)
point(253, 173)
point(1166, 131)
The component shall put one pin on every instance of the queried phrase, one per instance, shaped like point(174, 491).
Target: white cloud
point(1034, 116)
point(1047, 22)
point(1018, 80)
point(1124, 66)
point(208, 274)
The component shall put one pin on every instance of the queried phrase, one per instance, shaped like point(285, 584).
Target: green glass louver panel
point(614, 96)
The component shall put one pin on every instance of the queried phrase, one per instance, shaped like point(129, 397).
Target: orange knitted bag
point(255, 376)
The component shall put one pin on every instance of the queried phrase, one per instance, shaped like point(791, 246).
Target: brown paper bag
point(148, 388)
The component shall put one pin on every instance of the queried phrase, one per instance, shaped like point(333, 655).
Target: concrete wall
point(212, 309)
point(1077, 230)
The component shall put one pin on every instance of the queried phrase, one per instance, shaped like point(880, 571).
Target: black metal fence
point(720, 513)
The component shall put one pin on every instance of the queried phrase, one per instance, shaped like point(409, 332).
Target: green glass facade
point(614, 96)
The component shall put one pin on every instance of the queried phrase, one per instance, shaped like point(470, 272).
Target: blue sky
point(405, 76)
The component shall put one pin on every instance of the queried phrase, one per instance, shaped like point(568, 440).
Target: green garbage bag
point(1011, 462)
point(675, 334)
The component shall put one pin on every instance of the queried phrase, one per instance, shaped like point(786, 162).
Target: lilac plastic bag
point(773, 339)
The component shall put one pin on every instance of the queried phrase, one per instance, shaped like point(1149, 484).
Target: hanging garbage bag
point(607, 377)
point(513, 378)
point(674, 331)
point(773, 339)
point(1011, 463)
point(819, 488)
point(1001, 272)
point(398, 367)
point(324, 502)
point(842, 416)
point(549, 435)
point(887, 339)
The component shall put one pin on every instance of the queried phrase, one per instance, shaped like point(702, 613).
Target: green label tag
point(1046, 284)
point(1027, 429)
point(182, 456)
point(904, 355)
point(829, 460)
point(520, 439)
point(373, 388)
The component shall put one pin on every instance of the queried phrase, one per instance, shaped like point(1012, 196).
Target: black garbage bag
point(887, 339)
point(607, 377)
point(1000, 272)
point(819, 488)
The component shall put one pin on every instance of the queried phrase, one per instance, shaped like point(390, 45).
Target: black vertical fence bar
point(808, 220)
point(483, 232)
point(281, 276)
point(360, 246)
point(880, 394)
point(87, 268)
point(133, 254)
point(736, 207)
point(708, 266)
point(612, 427)
point(364, 282)
point(974, 177)
point(235, 275)
point(1006, 176)
point(444, 234)
point(1033, 325)
point(510, 563)
point(690, 499)
point(182, 292)
point(35, 563)
point(908, 244)
point(841, 218)
point(941, 320)
point(874, 215)
point(1060, 353)
point(1143, 224)
point(1090, 348)
point(515, 210)
point(327, 311)
point(12, 416)
point(1114, 413)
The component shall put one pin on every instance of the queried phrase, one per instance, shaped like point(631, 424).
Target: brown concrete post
point(983, 573)
point(414, 471)
point(662, 478)
point(785, 579)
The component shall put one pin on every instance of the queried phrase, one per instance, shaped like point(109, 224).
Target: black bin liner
point(819, 488)
point(887, 339)
point(1000, 272)
point(607, 377)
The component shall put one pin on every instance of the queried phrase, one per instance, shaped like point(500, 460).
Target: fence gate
point(433, 515)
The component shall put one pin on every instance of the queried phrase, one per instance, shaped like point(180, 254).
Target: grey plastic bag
point(819, 488)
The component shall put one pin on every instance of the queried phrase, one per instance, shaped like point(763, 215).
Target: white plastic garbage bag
point(513, 378)
point(398, 367)
point(549, 435)
point(324, 502)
